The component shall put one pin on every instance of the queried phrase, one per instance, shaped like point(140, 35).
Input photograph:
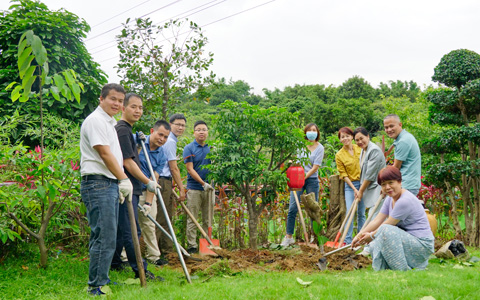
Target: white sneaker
point(287, 241)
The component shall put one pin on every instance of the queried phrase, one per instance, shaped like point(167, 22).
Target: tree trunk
point(253, 231)
point(337, 208)
point(43, 251)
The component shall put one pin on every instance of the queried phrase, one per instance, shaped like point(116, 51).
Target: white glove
point(152, 186)
point(126, 190)
point(146, 209)
point(207, 187)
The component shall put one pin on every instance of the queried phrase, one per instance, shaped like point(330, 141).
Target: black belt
point(166, 177)
point(98, 177)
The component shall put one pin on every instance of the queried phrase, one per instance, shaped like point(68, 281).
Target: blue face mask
point(311, 135)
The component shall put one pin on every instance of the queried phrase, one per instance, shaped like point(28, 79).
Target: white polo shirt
point(98, 129)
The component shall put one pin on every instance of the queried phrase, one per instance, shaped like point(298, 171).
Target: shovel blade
point(204, 247)
point(333, 244)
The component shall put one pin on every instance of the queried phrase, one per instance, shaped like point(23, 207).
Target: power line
point(120, 13)
point(110, 30)
point(113, 41)
point(216, 21)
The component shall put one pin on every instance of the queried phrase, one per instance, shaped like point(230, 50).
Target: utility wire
point(110, 30)
point(216, 21)
point(113, 41)
point(120, 13)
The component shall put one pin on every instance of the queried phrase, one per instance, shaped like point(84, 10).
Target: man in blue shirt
point(154, 142)
point(170, 171)
point(194, 156)
point(407, 153)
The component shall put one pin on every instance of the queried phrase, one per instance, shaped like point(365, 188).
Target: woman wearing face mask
point(348, 165)
point(315, 157)
point(401, 231)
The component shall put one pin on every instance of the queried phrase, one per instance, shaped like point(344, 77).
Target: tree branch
point(20, 223)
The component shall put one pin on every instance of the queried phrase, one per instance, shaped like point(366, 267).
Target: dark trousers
point(124, 236)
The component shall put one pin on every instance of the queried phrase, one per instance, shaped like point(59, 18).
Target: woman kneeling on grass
point(402, 234)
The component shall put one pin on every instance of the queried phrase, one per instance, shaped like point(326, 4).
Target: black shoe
point(160, 262)
point(192, 250)
point(118, 268)
point(150, 276)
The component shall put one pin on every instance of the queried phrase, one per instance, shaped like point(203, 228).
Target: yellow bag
point(433, 221)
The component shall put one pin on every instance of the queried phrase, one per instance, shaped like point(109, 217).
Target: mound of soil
point(304, 259)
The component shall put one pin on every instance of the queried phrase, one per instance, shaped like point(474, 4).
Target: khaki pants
point(196, 201)
point(148, 229)
point(164, 243)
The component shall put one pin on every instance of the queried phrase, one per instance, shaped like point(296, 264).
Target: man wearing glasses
point(194, 156)
point(169, 171)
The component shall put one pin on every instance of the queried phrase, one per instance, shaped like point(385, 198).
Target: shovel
point(335, 243)
point(204, 244)
point(165, 213)
point(213, 245)
point(302, 221)
point(167, 234)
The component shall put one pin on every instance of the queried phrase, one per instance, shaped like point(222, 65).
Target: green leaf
point(55, 92)
point(10, 85)
point(21, 45)
point(23, 57)
point(70, 79)
point(16, 93)
point(39, 50)
point(27, 87)
point(26, 64)
point(28, 74)
point(41, 192)
point(59, 82)
point(76, 92)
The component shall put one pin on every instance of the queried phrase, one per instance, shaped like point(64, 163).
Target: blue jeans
point(349, 197)
point(101, 199)
point(124, 236)
point(311, 186)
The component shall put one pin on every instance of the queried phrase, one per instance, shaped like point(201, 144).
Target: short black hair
point(130, 95)
point(111, 86)
point(199, 122)
point(175, 117)
point(161, 123)
point(361, 130)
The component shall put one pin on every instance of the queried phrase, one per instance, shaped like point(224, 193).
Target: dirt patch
point(303, 259)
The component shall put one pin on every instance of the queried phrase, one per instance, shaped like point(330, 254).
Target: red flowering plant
point(43, 191)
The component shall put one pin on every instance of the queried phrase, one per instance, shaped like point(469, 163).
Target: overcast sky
point(280, 43)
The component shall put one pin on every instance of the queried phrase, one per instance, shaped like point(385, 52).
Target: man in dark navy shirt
point(194, 155)
point(131, 112)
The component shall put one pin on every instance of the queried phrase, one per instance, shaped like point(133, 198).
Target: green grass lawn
point(66, 278)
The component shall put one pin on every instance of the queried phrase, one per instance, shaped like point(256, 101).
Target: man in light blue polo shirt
point(194, 156)
point(407, 153)
point(170, 171)
point(157, 138)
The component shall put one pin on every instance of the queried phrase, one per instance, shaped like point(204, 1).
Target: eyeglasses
point(201, 130)
point(179, 125)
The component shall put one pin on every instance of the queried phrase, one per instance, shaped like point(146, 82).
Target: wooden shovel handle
point(136, 244)
point(205, 235)
point(350, 220)
point(343, 224)
point(302, 221)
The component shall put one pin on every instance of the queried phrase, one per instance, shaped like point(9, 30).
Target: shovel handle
point(194, 220)
point(301, 217)
point(350, 220)
point(340, 231)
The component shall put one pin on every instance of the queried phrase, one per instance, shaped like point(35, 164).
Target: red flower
point(74, 166)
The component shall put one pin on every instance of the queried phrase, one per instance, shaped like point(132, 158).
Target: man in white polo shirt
point(104, 182)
